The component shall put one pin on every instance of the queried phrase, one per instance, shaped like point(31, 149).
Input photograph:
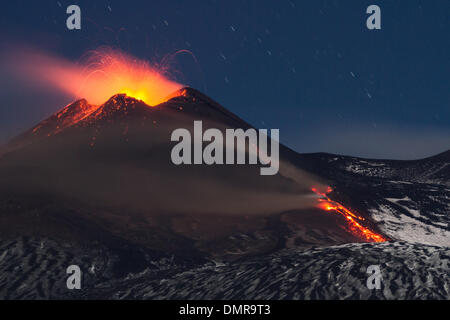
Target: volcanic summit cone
point(97, 172)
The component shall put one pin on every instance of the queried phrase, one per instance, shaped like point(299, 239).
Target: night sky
point(310, 68)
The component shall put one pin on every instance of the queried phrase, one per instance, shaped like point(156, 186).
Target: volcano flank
point(101, 177)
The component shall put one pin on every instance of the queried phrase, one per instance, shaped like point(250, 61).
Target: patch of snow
point(400, 182)
point(402, 227)
point(414, 212)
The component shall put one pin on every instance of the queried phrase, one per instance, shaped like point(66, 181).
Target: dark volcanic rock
point(35, 269)
point(94, 186)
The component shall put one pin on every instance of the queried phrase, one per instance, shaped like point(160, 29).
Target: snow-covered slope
point(409, 200)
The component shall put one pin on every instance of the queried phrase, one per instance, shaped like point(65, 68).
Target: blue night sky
point(310, 68)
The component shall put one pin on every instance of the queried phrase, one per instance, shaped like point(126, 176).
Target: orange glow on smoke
point(356, 227)
point(102, 74)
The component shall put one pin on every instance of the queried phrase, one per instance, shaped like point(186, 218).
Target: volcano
point(94, 185)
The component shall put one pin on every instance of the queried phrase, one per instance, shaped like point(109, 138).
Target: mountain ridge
point(81, 111)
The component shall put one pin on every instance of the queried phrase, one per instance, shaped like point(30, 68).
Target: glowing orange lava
point(357, 228)
point(110, 72)
point(100, 75)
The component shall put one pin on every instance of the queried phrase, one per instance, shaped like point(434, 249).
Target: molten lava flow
point(327, 204)
point(102, 74)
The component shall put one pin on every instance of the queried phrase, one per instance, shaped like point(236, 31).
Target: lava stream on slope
point(357, 228)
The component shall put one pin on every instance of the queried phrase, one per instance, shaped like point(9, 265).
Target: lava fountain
point(99, 75)
point(353, 220)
